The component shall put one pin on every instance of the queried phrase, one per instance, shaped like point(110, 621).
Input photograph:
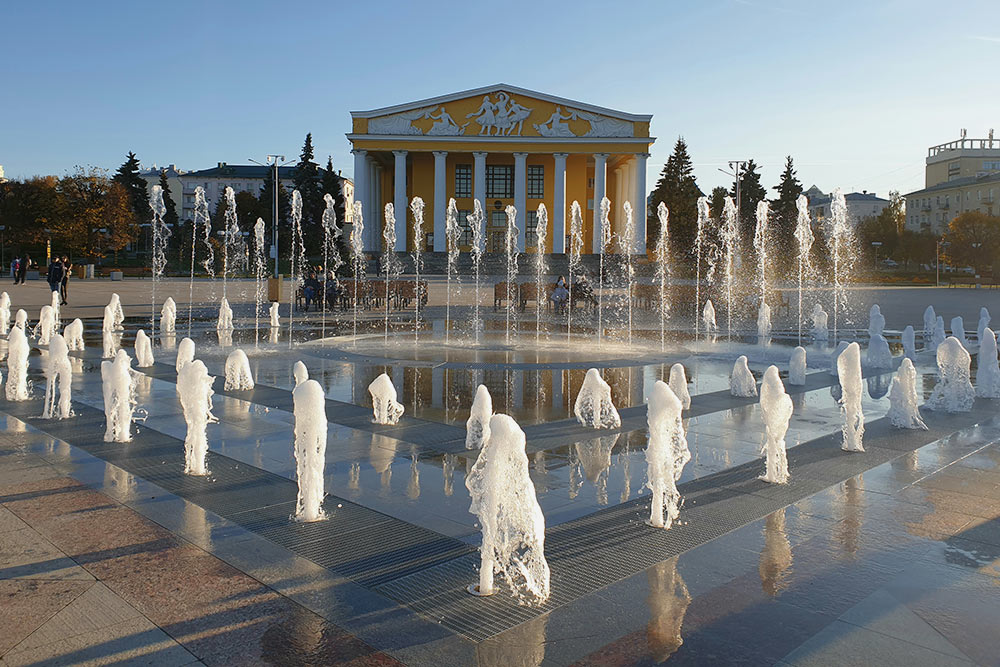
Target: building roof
point(254, 171)
point(441, 99)
point(850, 197)
point(957, 183)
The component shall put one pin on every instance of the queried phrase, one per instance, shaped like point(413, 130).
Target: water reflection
point(848, 531)
point(381, 455)
point(448, 473)
point(776, 557)
point(521, 646)
point(168, 340)
point(668, 602)
point(413, 487)
point(878, 385)
point(594, 460)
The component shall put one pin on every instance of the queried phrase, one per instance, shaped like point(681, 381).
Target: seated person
point(310, 288)
point(559, 294)
point(333, 290)
point(582, 290)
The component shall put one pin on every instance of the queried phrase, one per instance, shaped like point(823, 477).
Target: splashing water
point(475, 220)
point(679, 385)
point(160, 233)
point(331, 256)
point(185, 354)
point(310, 449)
point(453, 237)
point(17, 365)
point(417, 209)
point(593, 407)
point(729, 234)
point(708, 317)
point(930, 320)
point(259, 272)
point(666, 454)
point(820, 330)
point(73, 333)
point(357, 256)
point(58, 371)
point(662, 276)
point(168, 316)
point(385, 408)
point(776, 408)
point(842, 250)
point(234, 252)
point(760, 243)
point(4, 313)
point(575, 260)
point(238, 374)
point(46, 325)
point(513, 526)
point(851, 388)
point(297, 256)
point(143, 350)
point(797, 367)
point(541, 233)
point(605, 240)
point(200, 218)
point(626, 243)
point(225, 321)
point(903, 399)
point(390, 262)
point(119, 397)
point(953, 391)
point(958, 330)
point(804, 238)
point(699, 246)
point(988, 370)
point(741, 382)
point(194, 388)
point(477, 427)
point(510, 248)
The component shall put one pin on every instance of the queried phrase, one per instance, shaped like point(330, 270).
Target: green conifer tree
point(678, 190)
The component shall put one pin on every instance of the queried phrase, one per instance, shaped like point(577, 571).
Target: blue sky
point(854, 91)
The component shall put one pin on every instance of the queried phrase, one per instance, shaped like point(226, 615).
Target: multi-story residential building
point(961, 175)
point(152, 177)
point(860, 205)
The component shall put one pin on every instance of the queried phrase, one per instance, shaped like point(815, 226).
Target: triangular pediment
point(503, 111)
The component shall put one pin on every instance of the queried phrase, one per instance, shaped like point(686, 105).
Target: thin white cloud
point(984, 38)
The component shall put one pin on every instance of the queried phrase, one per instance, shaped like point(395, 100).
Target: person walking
point(22, 269)
point(15, 264)
point(64, 286)
point(55, 274)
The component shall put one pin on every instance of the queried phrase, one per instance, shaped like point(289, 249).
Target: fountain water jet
point(143, 350)
point(225, 321)
point(575, 258)
point(903, 398)
point(58, 371)
point(194, 388)
point(513, 526)
point(385, 408)
point(113, 314)
point(605, 236)
point(73, 333)
point(168, 316)
point(764, 322)
point(234, 252)
point(310, 449)
point(662, 275)
point(4, 313)
point(593, 407)
point(46, 325)
point(679, 385)
point(475, 220)
point(876, 321)
point(185, 354)
point(200, 217)
point(17, 365)
point(958, 330)
point(708, 317)
point(820, 329)
point(21, 319)
point(776, 408)
point(299, 372)
point(984, 323)
point(390, 263)
point(477, 428)
point(297, 257)
point(331, 256)
point(908, 338)
point(834, 368)
point(417, 209)
point(357, 259)
point(275, 317)
point(541, 231)
point(954, 391)
point(742, 382)
point(797, 367)
point(879, 355)
point(511, 251)
point(987, 370)
point(259, 272)
point(55, 302)
point(109, 341)
point(804, 237)
point(939, 335)
point(119, 397)
point(666, 454)
point(851, 387)
point(238, 374)
point(453, 238)
point(699, 245)
point(160, 234)
point(760, 242)
point(841, 248)
point(729, 234)
point(930, 321)
point(626, 243)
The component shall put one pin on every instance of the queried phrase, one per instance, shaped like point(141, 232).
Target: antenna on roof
point(963, 132)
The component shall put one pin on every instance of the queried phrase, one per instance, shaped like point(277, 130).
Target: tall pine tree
point(135, 186)
point(784, 212)
point(306, 179)
point(679, 191)
point(170, 217)
point(751, 192)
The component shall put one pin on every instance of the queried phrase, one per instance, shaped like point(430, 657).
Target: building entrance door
point(497, 232)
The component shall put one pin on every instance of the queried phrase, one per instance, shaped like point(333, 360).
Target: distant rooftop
point(958, 183)
point(254, 171)
point(964, 143)
point(818, 198)
point(171, 170)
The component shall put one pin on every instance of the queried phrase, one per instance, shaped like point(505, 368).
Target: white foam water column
point(930, 321)
point(776, 408)
point(168, 316)
point(679, 385)
point(513, 526)
point(385, 408)
point(903, 398)
point(238, 374)
point(909, 340)
point(113, 314)
point(194, 388)
point(593, 407)
point(119, 397)
point(477, 428)
point(225, 321)
point(708, 317)
point(954, 391)
point(741, 382)
point(73, 333)
point(987, 371)
point(185, 354)
point(58, 375)
point(310, 449)
point(984, 323)
point(821, 327)
point(958, 330)
point(143, 350)
point(666, 454)
point(275, 318)
point(878, 356)
point(4, 313)
point(46, 325)
point(21, 319)
point(851, 387)
point(17, 365)
point(797, 367)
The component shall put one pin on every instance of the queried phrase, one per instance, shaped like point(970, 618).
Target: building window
point(499, 181)
point(465, 237)
point(498, 219)
point(536, 181)
point(531, 229)
point(463, 180)
point(991, 165)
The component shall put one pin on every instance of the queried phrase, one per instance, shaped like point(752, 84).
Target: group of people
point(312, 289)
point(560, 296)
point(57, 275)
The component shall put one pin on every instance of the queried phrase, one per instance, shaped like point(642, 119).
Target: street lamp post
point(272, 161)
point(737, 167)
point(876, 245)
point(937, 261)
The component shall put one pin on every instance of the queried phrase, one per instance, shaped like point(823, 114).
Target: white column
point(559, 205)
point(361, 184)
point(521, 197)
point(618, 204)
point(600, 179)
point(400, 204)
point(639, 203)
point(373, 216)
point(479, 180)
point(440, 200)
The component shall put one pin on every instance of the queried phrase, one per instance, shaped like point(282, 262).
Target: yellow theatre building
point(501, 145)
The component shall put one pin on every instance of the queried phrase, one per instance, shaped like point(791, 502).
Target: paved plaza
point(109, 554)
